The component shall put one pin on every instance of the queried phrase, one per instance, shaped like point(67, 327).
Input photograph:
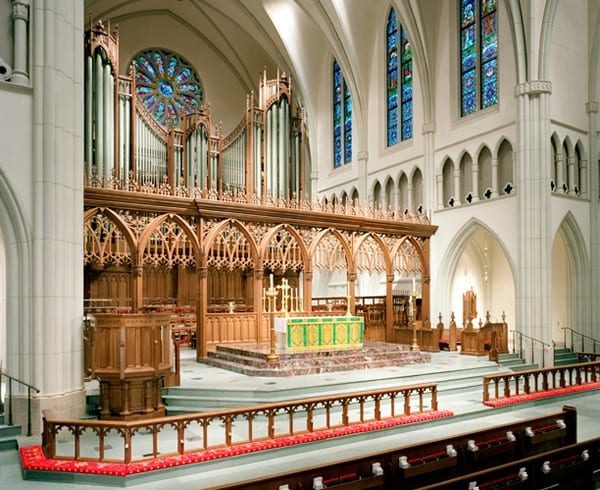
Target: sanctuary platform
point(251, 359)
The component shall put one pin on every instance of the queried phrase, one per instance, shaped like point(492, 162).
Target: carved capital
point(533, 88)
point(202, 272)
point(592, 106)
point(20, 11)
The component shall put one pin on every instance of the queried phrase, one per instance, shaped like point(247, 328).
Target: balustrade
point(510, 384)
point(130, 441)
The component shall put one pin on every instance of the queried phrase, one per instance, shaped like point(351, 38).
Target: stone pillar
point(202, 277)
point(592, 183)
point(494, 177)
point(560, 178)
point(52, 347)
point(20, 14)
point(363, 173)
point(475, 181)
point(457, 189)
point(533, 285)
point(571, 168)
point(429, 174)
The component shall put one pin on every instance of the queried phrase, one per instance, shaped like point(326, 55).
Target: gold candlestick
point(411, 319)
point(271, 296)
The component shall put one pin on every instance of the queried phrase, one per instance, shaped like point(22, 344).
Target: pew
point(432, 462)
point(575, 466)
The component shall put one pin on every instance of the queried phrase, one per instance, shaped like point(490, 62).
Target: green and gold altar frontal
point(324, 332)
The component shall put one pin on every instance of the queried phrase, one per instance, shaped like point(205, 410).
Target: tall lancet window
point(342, 119)
point(167, 85)
point(399, 82)
point(478, 55)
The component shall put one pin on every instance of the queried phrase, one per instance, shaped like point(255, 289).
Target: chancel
point(231, 232)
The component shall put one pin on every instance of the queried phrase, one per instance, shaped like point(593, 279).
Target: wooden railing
point(517, 383)
point(131, 441)
point(588, 356)
point(432, 462)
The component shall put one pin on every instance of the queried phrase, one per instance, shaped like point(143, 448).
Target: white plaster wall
point(568, 62)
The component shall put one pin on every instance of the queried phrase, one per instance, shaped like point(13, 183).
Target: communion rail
point(140, 440)
point(539, 380)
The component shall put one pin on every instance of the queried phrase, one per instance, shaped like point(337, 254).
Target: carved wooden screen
point(104, 242)
point(283, 253)
point(369, 257)
point(406, 260)
point(330, 255)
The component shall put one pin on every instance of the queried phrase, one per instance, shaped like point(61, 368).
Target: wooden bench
point(574, 467)
point(435, 461)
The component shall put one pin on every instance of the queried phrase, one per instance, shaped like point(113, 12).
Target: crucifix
point(285, 296)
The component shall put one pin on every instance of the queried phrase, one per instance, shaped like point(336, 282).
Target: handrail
point(9, 396)
point(534, 341)
point(206, 431)
point(583, 337)
point(539, 380)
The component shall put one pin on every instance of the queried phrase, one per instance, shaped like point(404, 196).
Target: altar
point(297, 334)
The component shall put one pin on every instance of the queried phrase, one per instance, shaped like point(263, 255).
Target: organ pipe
point(99, 113)
point(89, 97)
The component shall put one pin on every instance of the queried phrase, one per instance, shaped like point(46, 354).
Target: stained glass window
point(478, 55)
point(342, 119)
point(167, 85)
point(399, 84)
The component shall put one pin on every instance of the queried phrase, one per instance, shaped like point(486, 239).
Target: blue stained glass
point(489, 39)
point(347, 125)
point(490, 90)
point(173, 62)
point(184, 74)
point(468, 48)
point(158, 61)
point(165, 88)
point(337, 115)
point(479, 51)
point(467, 12)
point(392, 25)
point(399, 81)
point(159, 85)
point(407, 128)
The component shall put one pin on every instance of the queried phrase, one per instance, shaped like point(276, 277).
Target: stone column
point(429, 174)
point(571, 168)
point(592, 183)
point(494, 177)
point(363, 174)
point(533, 285)
point(51, 356)
point(560, 179)
point(20, 14)
point(457, 189)
point(475, 181)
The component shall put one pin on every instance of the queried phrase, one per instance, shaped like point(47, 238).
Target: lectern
point(131, 356)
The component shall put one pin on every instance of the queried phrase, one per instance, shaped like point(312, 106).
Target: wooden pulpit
point(132, 353)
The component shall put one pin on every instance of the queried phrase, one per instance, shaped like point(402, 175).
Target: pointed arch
point(580, 277)
point(210, 238)
point(154, 226)
point(306, 261)
point(382, 248)
point(16, 250)
point(336, 234)
point(450, 260)
point(118, 221)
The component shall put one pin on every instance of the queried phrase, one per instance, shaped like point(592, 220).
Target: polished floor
point(447, 368)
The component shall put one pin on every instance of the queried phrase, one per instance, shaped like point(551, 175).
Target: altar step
point(252, 360)
point(459, 380)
